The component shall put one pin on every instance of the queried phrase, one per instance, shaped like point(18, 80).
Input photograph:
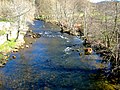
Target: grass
point(3, 20)
point(1, 56)
point(41, 17)
point(6, 20)
point(7, 46)
point(2, 32)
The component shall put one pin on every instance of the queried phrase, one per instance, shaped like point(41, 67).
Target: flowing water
point(52, 63)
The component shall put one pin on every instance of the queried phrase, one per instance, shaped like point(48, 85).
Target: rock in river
point(13, 57)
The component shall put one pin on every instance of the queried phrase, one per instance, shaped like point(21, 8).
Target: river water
point(53, 63)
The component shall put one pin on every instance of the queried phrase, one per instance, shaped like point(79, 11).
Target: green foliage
point(41, 17)
point(1, 56)
point(3, 20)
point(2, 32)
point(7, 46)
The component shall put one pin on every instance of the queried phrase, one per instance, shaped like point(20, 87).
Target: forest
point(97, 24)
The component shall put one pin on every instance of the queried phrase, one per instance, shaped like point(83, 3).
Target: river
point(53, 63)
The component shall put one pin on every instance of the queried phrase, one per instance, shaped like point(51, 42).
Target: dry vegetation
point(99, 22)
point(18, 13)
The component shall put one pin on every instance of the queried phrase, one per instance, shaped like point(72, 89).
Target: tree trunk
point(7, 36)
point(85, 22)
point(18, 29)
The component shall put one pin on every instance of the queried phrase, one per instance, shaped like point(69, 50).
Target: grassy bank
point(4, 49)
point(12, 46)
point(7, 46)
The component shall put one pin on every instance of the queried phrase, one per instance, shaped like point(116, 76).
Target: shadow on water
point(52, 63)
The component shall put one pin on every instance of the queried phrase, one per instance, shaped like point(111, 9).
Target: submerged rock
point(38, 35)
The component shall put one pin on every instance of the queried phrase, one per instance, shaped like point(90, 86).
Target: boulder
point(15, 50)
point(1, 65)
point(13, 57)
point(88, 51)
point(27, 46)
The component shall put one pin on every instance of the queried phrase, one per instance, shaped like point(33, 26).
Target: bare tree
point(18, 13)
point(117, 34)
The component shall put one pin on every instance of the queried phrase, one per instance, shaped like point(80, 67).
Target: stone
point(13, 57)
point(22, 47)
point(16, 47)
point(30, 42)
point(34, 36)
point(4, 62)
point(88, 51)
point(6, 57)
point(30, 31)
point(27, 46)
point(80, 54)
point(38, 35)
point(1, 65)
point(15, 50)
point(77, 50)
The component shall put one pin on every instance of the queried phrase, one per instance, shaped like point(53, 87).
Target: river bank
point(113, 74)
point(11, 46)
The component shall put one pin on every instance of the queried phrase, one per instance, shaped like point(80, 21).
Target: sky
point(95, 1)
